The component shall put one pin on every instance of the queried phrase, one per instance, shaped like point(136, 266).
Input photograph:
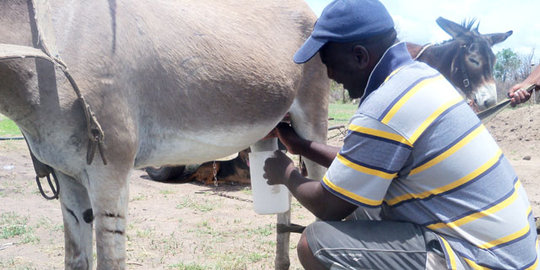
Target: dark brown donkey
point(466, 60)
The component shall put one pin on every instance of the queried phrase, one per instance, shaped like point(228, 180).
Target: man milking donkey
point(422, 183)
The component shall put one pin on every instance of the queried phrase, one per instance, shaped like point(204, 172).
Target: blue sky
point(415, 20)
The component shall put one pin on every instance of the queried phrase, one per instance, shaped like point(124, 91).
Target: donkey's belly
point(193, 147)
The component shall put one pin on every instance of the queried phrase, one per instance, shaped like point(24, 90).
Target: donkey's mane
point(469, 24)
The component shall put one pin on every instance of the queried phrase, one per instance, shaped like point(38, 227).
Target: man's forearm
point(319, 201)
point(320, 153)
point(534, 77)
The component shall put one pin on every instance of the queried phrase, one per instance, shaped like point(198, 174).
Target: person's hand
point(518, 95)
point(294, 143)
point(278, 168)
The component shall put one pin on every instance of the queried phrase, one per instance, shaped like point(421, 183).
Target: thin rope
point(424, 48)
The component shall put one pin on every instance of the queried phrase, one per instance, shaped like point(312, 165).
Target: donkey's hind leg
point(77, 215)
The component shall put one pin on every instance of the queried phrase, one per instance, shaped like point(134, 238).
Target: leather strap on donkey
point(43, 170)
point(41, 29)
point(41, 26)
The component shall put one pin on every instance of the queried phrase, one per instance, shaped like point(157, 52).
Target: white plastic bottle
point(267, 199)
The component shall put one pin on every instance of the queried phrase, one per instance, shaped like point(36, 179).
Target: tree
point(338, 93)
point(527, 62)
point(511, 68)
point(507, 65)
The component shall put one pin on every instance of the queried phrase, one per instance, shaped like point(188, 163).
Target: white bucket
point(267, 199)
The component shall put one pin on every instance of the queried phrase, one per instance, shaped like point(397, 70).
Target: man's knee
point(305, 255)
point(303, 247)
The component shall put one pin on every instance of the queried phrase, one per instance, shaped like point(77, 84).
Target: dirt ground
point(191, 226)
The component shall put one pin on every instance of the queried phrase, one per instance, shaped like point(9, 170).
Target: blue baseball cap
point(345, 21)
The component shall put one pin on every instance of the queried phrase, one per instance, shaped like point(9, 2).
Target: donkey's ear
point(497, 37)
point(451, 27)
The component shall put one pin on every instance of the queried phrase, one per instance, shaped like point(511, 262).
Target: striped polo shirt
point(416, 149)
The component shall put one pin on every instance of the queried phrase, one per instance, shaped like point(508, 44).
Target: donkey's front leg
point(77, 215)
point(109, 195)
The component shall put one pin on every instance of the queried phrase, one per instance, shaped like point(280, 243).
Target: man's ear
point(361, 55)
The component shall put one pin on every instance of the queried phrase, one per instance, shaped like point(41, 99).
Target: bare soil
point(192, 226)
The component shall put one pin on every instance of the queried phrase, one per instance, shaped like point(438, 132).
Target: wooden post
point(282, 261)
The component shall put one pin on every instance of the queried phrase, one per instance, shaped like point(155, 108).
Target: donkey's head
point(471, 68)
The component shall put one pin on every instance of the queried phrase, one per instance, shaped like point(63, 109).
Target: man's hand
point(289, 138)
point(294, 143)
point(320, 153)
point(518, 95)
point(278, 169)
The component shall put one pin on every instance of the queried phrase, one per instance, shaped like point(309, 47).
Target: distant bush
point(338, 94)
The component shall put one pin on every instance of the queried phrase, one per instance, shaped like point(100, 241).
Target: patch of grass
point(247, 190)
point(201, 205)
point(255, 257)
point(170, 243)
point(189, 266)
point(13, 225)
point(146, 233)
point(139, 197)
point(263, 231)
point(233, 261)
point(50, 225)
point(166, 192)
point(8, 128)
point(341, 113)
point(17, 263)
point(205, 229)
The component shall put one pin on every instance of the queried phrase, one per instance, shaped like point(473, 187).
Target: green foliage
point(338, 93)
point(12, 225)
point(508, 63)
point(8, 127)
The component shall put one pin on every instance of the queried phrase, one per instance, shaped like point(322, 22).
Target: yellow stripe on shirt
point(380, 134)
point(480, 214)
point(473, 265)
point(365, 170)
point(450, 186)
point(432, 118)
point(536, 260)
point(508, 238)
point(408, 96)
point(393, 73)
point(450, 253)
point(450, 151)
point(351, 195)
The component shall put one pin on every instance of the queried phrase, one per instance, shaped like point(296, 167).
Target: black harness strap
point(466, 81)
point(54, 188)
point(43, 170)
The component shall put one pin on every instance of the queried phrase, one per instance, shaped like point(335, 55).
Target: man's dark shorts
point(366, 244)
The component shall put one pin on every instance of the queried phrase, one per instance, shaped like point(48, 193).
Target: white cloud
point(415, 19)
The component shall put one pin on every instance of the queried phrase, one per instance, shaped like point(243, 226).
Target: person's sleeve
point(371, 157)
